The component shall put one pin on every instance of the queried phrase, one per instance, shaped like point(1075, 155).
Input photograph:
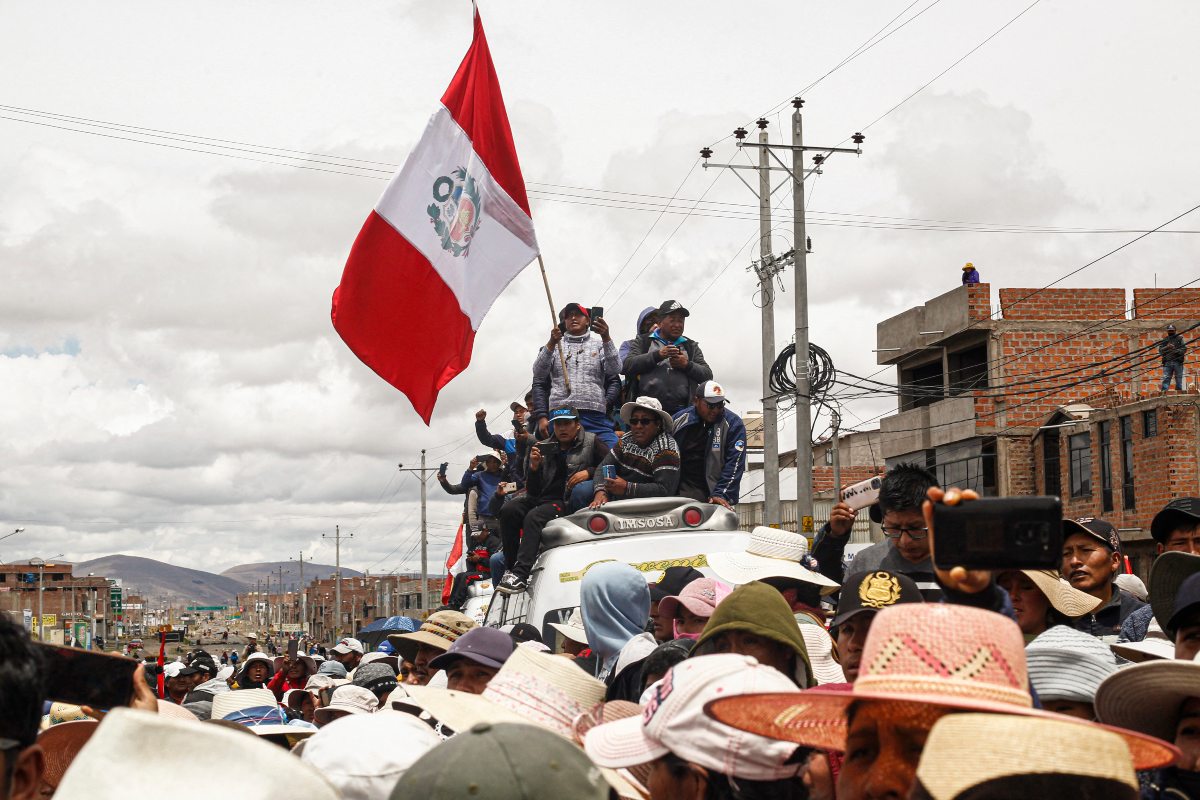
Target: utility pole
point(257, 601)
point(767, 267)
point(424, 602)
point(804, 519)
point(40, 563)
point(279, 588)
point(337, 585)
point(836, 422)
point(303, 598)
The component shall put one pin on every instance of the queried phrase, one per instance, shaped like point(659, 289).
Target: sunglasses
point(642, 420)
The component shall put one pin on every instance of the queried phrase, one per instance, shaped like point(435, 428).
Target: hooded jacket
point(647, 374)
point(593, 367)
point(761, 610)
point(625, 345)
point(1172, 349)
point(614, 602)
point(725, 452)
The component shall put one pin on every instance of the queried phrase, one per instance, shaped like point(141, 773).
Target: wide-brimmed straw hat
point(1064, 598)
point(636, 776)
point(821, 651)
point(258, 711)
point(214, 762)
point(938, 654)
point(572, 628)
point(61, 744)
point(1146, 697)
point(531, 687)
point(652, 405)
point(1066, 664)
point(966, 750)
point(771, 553)
point(1167, 574)
point(440, 630)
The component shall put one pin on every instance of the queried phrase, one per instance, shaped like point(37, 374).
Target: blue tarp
point(392, 624)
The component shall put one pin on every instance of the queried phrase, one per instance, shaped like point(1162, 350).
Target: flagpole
point(554, 321)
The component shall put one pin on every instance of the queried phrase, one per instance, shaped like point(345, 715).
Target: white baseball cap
point(673, 721)
point(713, 392)
point(349, 645)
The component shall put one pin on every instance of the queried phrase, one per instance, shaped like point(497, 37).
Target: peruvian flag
point(450, 232)
point(456, 562)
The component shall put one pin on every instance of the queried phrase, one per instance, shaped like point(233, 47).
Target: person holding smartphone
point(558, 480)
point(665, 364)
point(593, 380)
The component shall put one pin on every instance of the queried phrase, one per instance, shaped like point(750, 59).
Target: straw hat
point(215, 762)
point(652, 405)
point(61, 743)
point(531, 687)
point(1146, 697)
point(439, 630)
point(1066, 664)
point(818, 642)
point(966, 750)
point(637, 776)
point(933, 653)
point(572, 628)
point(771, 553)
point(258, 711)
point(1063, 597)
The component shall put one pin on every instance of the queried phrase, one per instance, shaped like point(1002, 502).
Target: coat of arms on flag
point(456, 213)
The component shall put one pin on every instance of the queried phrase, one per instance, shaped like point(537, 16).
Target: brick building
point(70, 604)
point(365, 599)
point(989, 398)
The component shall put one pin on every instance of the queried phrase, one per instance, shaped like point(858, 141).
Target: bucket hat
point(673, 721)
point(1167, 577)
point(490, 647)
point(439, 630)
point(503, 762)
point(215, 762)
point(349, 699)
point(938, 654)
point(652, 405)
point(364, 755)
point(533, 688)
point(771, 553)
point(1064, 598)
point(572, 628)
point(253, 657)
point(379, 657)
point(1066, 664)
point(1146, 697)
point(965, 751)
point(872, 591)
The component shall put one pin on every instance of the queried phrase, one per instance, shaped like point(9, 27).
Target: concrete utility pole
point(257, 601)
point(279, 588)
point(40, 563)
point(424, 602)
point(337, 585)
point(836, 422)
point(303, 598)
point(804, 519)
point(767, 267)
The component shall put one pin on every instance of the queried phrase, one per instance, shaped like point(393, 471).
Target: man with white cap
point(712, 447)
point(348, 652)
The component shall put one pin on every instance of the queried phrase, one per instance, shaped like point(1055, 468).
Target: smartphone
point(442, 468)
point(547, 449)
point(863, 493)
point(999, 533)
point(508, 487)
point(86, 677)
point(293, 648)
point(597, 312)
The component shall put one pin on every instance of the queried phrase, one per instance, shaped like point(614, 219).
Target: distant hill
point(248, 574)
point(152, 578)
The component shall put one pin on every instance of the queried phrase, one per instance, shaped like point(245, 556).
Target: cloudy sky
point(172, 386)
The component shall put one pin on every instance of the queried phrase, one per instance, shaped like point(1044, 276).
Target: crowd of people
point(775, 674)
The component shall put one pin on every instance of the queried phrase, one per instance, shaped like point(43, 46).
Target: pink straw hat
point(933, 653)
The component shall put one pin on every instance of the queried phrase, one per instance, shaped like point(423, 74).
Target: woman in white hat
point(1041, 599)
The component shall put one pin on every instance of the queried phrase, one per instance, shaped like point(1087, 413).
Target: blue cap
point(563, 413)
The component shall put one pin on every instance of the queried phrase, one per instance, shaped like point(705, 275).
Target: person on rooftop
point(646, 459)
point(712, 447)
point(592, 383)
point(665, 364)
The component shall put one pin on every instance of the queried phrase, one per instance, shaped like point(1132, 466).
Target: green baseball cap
point(506, 761)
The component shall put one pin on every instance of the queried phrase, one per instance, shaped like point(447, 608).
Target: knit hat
point(379, 679)
point(673, 721)
point(439, 630)
point(1066, 664)
point(937, 654)
point(967, 752)
point(759, 609)
point(503, 762)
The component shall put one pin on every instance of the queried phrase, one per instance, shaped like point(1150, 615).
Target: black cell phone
point(86, 677)
point(999, 533)
point(597, 312)
point(547, 448)
point(293, 648)
point(442, 467)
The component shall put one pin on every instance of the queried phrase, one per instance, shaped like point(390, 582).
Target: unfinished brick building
point(1009, 400)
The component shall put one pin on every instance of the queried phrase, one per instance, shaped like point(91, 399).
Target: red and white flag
point(450, 232)
point(456, 562)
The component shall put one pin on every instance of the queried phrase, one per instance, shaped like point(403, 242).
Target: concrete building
point(71, 606)
point(365, 599)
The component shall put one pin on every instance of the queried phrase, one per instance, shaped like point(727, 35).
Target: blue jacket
point(726, 458)
point(482, 480)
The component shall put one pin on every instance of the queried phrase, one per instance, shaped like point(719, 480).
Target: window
point(923, 385)
point(1050, 463)
point(1150, 423)
point(1080, 446)
point(1128, 499)
point(968, 370)
point(1106, 485)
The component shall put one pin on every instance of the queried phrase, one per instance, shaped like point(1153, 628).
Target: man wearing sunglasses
point(646, 458)
point(21, 697)
point(712, 447)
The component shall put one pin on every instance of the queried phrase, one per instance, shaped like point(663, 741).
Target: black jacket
point(585, 453)
point(647, 374)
